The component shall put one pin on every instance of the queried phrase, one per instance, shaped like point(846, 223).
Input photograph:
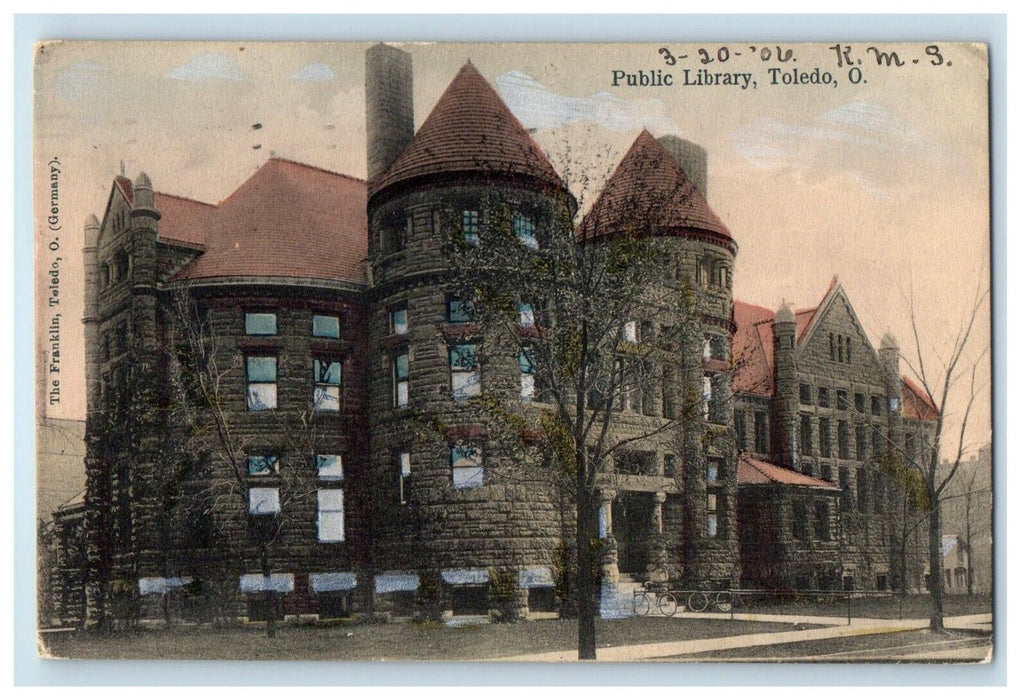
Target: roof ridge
point(319, 168)
point(185, 199)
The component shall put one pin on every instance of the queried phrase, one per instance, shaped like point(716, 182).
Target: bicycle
point(644, 599)
point(698, 601)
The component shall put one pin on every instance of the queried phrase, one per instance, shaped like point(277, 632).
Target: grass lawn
point(397, 641)
point(890, 607)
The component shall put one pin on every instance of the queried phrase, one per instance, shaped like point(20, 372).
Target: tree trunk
point(270, 598)
point(967, 535)
point(935, 562)
point(587, 588)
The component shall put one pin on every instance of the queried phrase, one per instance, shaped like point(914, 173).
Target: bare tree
point(600, 326)
point(207, 490)
point(956, 371)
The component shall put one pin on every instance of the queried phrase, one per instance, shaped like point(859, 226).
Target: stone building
point(281, 391)
point(827, 428)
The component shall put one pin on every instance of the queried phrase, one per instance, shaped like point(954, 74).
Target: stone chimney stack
point(690, 157)
point(91, 314)
point(786, 402)
point(389, 98)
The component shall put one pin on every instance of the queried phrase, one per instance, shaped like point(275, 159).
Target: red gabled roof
point(287, 220)
point(916, 402)
point(755, 471)
point(753, 346)
point(183, 220)
point(753, 350)
point(649, 189)
point(470, 130)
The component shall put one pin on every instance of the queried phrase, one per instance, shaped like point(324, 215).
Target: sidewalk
point(837, 629)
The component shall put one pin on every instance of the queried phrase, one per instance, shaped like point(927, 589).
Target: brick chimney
point(690, 157)
point(389, 98)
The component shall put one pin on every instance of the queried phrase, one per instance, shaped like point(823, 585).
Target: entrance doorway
point(631, 512)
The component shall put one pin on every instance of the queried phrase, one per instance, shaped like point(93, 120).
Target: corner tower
point(652, 192)
point(446, 514)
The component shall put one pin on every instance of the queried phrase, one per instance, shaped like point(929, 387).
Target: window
point(262, 383)
point(844, 440)
point(403, 463)
point(393, 233)
point(862, 490)
point(825, 437)
point(325, 326)
point(806, 436)
point(877, 441)
point(708, 392)
point(526, 362)
point(822, 523)
point(524, 229)
point(858, 403)
point(262, 465)
point(526, 316)
point(458, 311)
point(464, 376)
point(715, 469)
point(105, 276)
point(879, 492)
point(842, 401)
point(861, 437)
point(876, 405)
point(400, 381)
point(330, 515)
point(469, 226)
point(261, 324)
point(740, 429)
point(849, 354)
point(329, 467)
point(668, 392)
point(466, 464)
point(707, 350)
point(713, 514)
point(846, 500)
point(799, 520)
point(760, 431)
point(670, 465)
point(806, 395)
point(398, 320)
point(264, 501)
point(630, 332)
point(822, 397)
point(327, 380)
point(123, 262)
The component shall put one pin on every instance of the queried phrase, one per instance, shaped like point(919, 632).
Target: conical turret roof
point(650, 190)
point(470, 130)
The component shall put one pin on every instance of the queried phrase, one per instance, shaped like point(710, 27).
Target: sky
point(883, 181)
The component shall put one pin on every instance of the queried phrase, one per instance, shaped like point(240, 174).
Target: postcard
point(514, 352)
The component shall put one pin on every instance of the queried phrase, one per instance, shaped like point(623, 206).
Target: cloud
point(865, 141)
point(205, 67)
point(538, 107)
point(314, 73)
point(81, 82)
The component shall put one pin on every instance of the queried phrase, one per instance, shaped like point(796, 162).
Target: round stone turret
point(142, 197)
